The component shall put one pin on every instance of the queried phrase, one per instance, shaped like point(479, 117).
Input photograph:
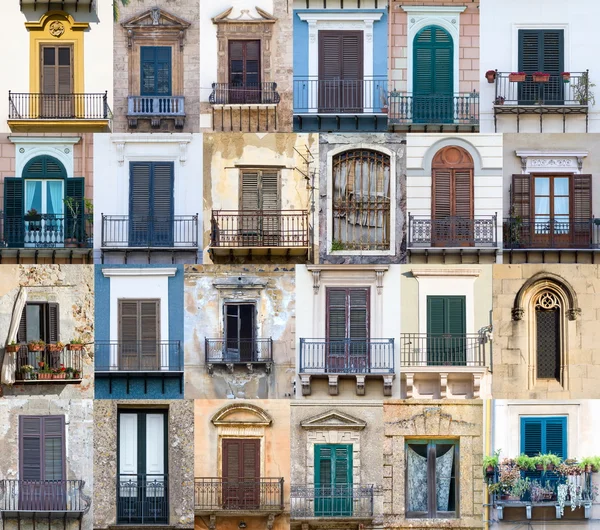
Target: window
point(361, 200)
point(259, 198)
point(333, 480)
point(548, 330)
point(39, 321)
point(139, 335)
point(241, 473)
point(544, 435)
point(142, 463)
point(244, 71)
point(240, 332)
point(151, 187)
point(156, 70)
point(57, 82)
point(446, 331)
point(431, 478)
point(42, 463)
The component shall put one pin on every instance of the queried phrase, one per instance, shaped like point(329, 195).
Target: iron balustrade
point(140, 106)
point(48, 231)
point(340, 96)
point(552, 233)
point(452, 231)
point(150, 231)
point(337, 501)
point(37, 106)
point(238, 350)
point(424, 349)
point(143, 499)
point(248, 94)
point(138, 356)
point(258, 494)
point(347, 356)
point(43, 496)
point(406, 108)
point(50, 358)
point(259, 228)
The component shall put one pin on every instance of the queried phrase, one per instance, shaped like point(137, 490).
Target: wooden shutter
point(359, 313)
point(521, 196)
point(57, 71)
point(13, 211)
point(433, 62)
point(241, 471)
point(442, 194)
point(347, 313)
point(42, 447)
point(446, 315)
point(352, 55)
point(162, 203)
point(53, 325)
point(149, 332)
point(582, 197)
point(544, 435)
point(541, 51)
point(260, 190)
point(250, 193)
point(330, 55)
point(139, 333)
point(333, 465)
point(22, 330)
point(139, 202)
point(336, 313)
point(436, 315)
point(269, 190)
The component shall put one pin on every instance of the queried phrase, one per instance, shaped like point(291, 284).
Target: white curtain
point(10, 359)
point(54, 197)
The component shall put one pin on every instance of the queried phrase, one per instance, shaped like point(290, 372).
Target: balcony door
point(39, 321)
point(433, 76)
point(340, 83)
point(333, 480)
point(244, 71)
point(139, 335)
point(347, 325)
point(42, 463)
point(151, 204)
point(452, 198)
point(259, 202)
point(142, 461)
point(239, 332)
point(446, 331)
point(56, 99)
point(241, 473)
point(156, 67)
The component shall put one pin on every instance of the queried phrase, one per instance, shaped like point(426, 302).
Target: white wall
point(500, 21)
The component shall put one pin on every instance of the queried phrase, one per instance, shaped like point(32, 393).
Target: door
point(340, 83)
point(155, 71)
point(333, 480)
point(260, 208)
point(151, 219)
point(347, 330)
point(57, 99)
point(139, 336)
point(39, 321)
point(541, 51)
point(142, 461)
point(239, 332)
point(46, 198)
point(241, 474)
point(42, 463)
point(433, 76)
point(244, 71)
point(446, 329)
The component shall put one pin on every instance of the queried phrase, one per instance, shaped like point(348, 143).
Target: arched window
point(548, 311)
point(361, 200)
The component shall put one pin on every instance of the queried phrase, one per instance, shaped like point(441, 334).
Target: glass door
point(551, 210)
point(44, 213)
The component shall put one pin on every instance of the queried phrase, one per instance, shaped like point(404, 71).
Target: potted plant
point(88, 221)
point(581, 90)
point(525, 463)
point(26, 371)
point(384, 101)
point(55, 347)
point(490, 463)
point(569, 468)
point(75, 345)
point(32, 215)
point(73, 206)
point(540, 77)
point(36, 345)
point(540, 493)
point(499, 101)
point(517, 77)
point(518, 489)
point(69, 373)
point(566, 76)
point(490, 75)
point(13, 347)
point(44, 371)
point(546, 462)
point(589, 464)
point(59, 373)
point(76, 373)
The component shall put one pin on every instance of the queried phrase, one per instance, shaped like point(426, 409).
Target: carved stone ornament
point(573, 314)
point(518, 313)
point(56, 29)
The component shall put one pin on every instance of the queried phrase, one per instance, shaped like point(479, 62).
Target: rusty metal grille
point(548, 342)
point(361, 200)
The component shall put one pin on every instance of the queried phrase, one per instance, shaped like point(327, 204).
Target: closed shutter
point(53, 323)
point(260, 190)
point(57, 82)
point(161, 206)
point(139, 202)
point(582, 207)
point(155, 70)
point(463, 193)
point(442, 194)
point(241, 473)
point(336, 314)
point(330, 55)
point(521, 196)
point(42, 447)
point(42, 167)
point(347, 313)
point(22, 331)
point(446, 328)
point(544, 435)
point(13, 211)
point(333, 468)
point(250, 191)
point(149, 330)
point(139, 334)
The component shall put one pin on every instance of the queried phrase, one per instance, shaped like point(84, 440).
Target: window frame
point(45, 322)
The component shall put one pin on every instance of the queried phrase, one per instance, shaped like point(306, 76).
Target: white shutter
point(128, 445)
point(155, 455)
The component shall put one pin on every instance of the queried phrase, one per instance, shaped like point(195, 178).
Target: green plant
point(38, 343)
point(591, 462)
point(27, 369)
point(540, 493)
point(524, 462)
point(78, 340)
point(520, 487)
point(73, 205)
point(32, 211)
point(13, 343)
point(581, 90)
point(547, 460)
point(44, 368)
point(116, 12)
point(491, 461)
point(337, 245)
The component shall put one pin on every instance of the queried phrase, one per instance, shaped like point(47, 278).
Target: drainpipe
point(488, 430)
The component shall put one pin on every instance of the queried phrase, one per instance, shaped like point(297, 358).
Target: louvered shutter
point(241, 469)
point(456, 315)
point(436, 315)
point(22, 330)
point(128, 335)
point(139, 334)
point(49, 67)
point(333, 468)
point(521, 196)
point(330, 55)
point(336, 314)
point(359, 313)
point(463, 193)
point(57, 76)
point(42, 447)
point(252, 67)
point(161, 208)
point(556, 436)
point(13, 211)
point(269, 199)
point(423, 62)
point(250, 193)
point(53, 328)
point(53, 447)
point(544, 435)
point(149, 331)
point(31, 447)
point(76, 227)
point(442, 185)
point(582, 208)
point(446, 328)
point(531, 433)
point(139, 202)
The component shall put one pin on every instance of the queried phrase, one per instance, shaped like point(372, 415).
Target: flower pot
point(540, 78)
point(58, 376)
point(12, 348)
point(489, 469)
point(76, 375)
point(44, 376)
point(588, 469)
point(54, 348)
point(566, 77)
point(491, 78)
point(35, 347)
point(516, 78)
point(26, 376)
point(539, 467)
point(71, 242)
point(74, 347)
point(384, 110)
point(36, 217)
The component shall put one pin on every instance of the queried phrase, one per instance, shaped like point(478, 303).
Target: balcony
point(340, 104)
point(346, 357)
point(249, 107)
point(36, 112)
point(434, 113)
point(43, 498)
point(156, 108)
point(143, 499)
point(518, 95)
point(231, 352)
point(50, 364)
point(258, 233)
point(259, 496)
point(424, 232)
point(334, 503)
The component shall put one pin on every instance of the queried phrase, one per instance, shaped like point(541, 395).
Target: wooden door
point(241, 473)
point(333, 480)
point(244, 71)
point(56, 99)
point(139, 335)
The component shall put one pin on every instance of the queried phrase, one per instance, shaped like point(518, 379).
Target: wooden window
point(361, 200)
point(446, 328)
point(544, 435)
point(548, 318)
point(156, 70)
point(139, 335)
point(240, 332)
point(244, 71)
point(259, 193)
point(57, 82)
point(241, 473)
point(340, 83)
point(432, 485)
point(333, 480)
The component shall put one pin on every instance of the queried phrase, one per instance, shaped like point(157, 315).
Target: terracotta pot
point(35, 347)
point(76, 375)
point(54, 348)
point(489, 470)
point(490, 77)
point(540, 78)
point(12, 348)
point(74, 347)
point(44, 376)
point(58, 376)
point(516, 78)
point(71, 242)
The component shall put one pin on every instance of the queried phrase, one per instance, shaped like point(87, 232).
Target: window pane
point(561, 206)
point(49, 56)
point(54, 197)
point(33, 195)
point(416, 483)
point(542, 205)
point(444, 477)
point(64, 56)
point(148, 78)
point(34, 331)
point(164, 79)
point(561, 186)
point(53, 459)
point(542, 186)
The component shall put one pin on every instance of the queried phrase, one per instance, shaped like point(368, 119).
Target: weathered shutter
point(139, 202)
point(149, 332)
point(30, 454)
point(22, 330)
point(250, 459)
point(463, 193)
point(323, 465)
point(582, 197)
point(231, 459)
point(250, 192)
point(336, 313)
point(359, 313)
point(269, 190)
point(442, 193)
point(521, 196)
point(333, 465)
point(42, 447)
point(161, 207)
point(53, 323)
point(53, 429)
point(13, 211)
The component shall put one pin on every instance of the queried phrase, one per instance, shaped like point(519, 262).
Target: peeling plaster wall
point(180, 451)
point(78, 433)
point(275, 318)
point(72, 287)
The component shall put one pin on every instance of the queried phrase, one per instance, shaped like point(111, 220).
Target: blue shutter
point(544, 435)
point(156, 68)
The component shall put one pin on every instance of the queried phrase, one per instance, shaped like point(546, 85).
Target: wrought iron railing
point(141, 106)
point(143, 499)
point(36, 106)
point(48, 231)
point(49, 363)
point(340, 96)
point(331, 501)
point(452, 231)
point(138, 356)
point(248, 94)
point(572, 89)
point(423, 349)
point(150, 231)
point(259, 228)
point(554, 233)
point(259, 494)
point(43, 496)
point(347, 356)
point(406, 108)
point(238, 350)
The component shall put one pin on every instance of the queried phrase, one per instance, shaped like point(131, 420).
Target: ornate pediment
point(334, 419)
point(156, 18)
point(241, 414)
point(245, 17)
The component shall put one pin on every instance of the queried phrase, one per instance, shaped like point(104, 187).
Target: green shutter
point(44, 167)
point(333, 467)
point(446, 329)
point(75, 187)
point(13, 212)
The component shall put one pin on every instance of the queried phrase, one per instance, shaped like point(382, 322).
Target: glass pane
point(444, 477)
point(561, 224)
point(252, 67)
point(236, 67)
point(148, 78)
point(34, 331)
point(49, 56)
point(561, 206)
point(54, 197)
point(33, 195)
point(164, 79)
point(542, 186)
point(416, 483)
point(53, 458)
point(64, 56)
point(542, 205)
point(542, 224)
point(561, 186)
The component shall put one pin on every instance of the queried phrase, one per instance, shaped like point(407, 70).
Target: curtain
point(33, 195)
point(443, 478)
point(55, 197)
point(9, 364)
point(417, 481)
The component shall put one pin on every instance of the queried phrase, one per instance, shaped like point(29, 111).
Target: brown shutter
point(53, 323)
point(269, 190)
point(149, 332)
point(330, 55)
point(128, 321)
point(521, 196)
point(463, 193)
point(582, 197)
point(30, 447)
point(49, 67)
point(250, 193)
point(352, 55)
point(139, 334)
point(347, 313)
point(441, 190)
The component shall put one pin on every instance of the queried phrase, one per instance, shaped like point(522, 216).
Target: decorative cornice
point(433, 10)
point(41, 23)
point(262, 418)
point(245, 17)
point(551, 159)
point(333, 419)
point(46, 140)
point(146, 271)
point(183, 139)
point(316, 270)
point(241, 282)
point(364, 16)
point(445, 271)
